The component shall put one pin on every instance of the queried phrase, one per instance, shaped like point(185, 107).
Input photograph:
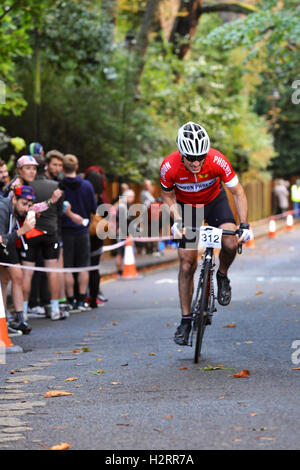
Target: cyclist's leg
point(219, 214)
point(229, 248)
point(187, 267)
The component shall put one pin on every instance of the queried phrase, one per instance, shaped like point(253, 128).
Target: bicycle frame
point(203, 305)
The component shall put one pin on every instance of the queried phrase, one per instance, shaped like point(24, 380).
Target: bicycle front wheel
point(201, 304)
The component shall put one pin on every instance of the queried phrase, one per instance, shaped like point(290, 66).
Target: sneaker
point(21, 326)
point(224, 289)
point(83, 306)
point(36, 312)
point(102, 298)
point(182, 334)
point(12, 332)
point(96, 303)
point(73, 307)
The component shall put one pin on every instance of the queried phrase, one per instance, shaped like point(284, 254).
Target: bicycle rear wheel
point(201, 303)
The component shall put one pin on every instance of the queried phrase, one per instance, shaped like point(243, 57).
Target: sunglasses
point(194, 158)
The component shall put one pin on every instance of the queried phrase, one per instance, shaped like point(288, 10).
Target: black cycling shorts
point(216, 213)
point(9, 254)
point(43, 246)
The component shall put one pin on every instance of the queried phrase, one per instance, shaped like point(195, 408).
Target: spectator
point(281, 193)
point(4, 176)
point(147, 199)
point(35, 148)
point(39, 294)
point(97, 298)
point(80, 194)
point(100, 170)
point(295, 197)
point(123, 217)
point(43, 240)
point(12, 209)
point(123, 187)
point(54, 165)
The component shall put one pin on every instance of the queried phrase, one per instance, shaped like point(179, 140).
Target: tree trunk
point(186, 22)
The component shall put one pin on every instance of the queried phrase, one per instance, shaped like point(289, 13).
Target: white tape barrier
point(101, 250)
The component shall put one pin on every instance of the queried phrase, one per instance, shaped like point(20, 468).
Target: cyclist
point(191, 179)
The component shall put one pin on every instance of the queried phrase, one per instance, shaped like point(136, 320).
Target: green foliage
point(93, 107)
point(208, 87)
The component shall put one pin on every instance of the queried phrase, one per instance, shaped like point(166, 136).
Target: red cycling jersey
point(197, 188)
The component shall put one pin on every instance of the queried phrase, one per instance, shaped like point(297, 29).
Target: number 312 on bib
point(210, 237)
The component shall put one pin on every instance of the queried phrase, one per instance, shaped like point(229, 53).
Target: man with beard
point(54, 165)
point(13, 209)
point(4, 176)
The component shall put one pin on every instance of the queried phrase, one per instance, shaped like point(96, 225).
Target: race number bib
point(210, 237)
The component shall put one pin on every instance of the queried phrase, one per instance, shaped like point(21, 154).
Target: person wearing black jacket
point(44, 241)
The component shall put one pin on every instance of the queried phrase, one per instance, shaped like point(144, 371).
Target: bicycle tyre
point(202, 306)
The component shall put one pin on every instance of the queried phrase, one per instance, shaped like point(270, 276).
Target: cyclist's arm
point(169, 199)
point(240, 200)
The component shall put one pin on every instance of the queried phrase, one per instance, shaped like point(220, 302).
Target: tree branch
point(14, 5)
point(233, 7)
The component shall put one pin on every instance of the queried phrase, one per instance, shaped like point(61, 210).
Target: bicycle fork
point(210, 296)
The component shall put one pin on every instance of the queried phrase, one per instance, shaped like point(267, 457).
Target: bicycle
point(203, 305)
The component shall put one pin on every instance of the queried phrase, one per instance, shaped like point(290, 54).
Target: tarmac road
point(135, 389)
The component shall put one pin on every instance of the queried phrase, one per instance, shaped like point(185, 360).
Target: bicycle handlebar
point(226, 232)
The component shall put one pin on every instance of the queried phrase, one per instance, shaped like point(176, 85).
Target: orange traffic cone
point(129, 269)
point(251, 243)
point(272, 228)
point(6, 345)
point(289, 222)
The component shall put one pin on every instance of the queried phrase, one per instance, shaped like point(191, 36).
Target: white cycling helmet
point(192, 139)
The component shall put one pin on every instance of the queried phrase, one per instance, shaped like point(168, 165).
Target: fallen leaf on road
point(230, 325)
point(152, 354)
point(259, 292)
point(266, 438)
point(242, 374)
point(61, 446)
point(295, 368)
point(56, 393)
point(76, 351)
point(183, 368)
point(98, 371)
point(70, 379)
point(115, 383)
point(169, 416)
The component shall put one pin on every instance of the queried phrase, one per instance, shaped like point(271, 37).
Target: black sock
point(20, 317)
point(221, 274)
point(81, 297)
point(186, 319)
point(70, 300)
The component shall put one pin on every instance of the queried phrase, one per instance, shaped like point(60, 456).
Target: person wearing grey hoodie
point(12, 210)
